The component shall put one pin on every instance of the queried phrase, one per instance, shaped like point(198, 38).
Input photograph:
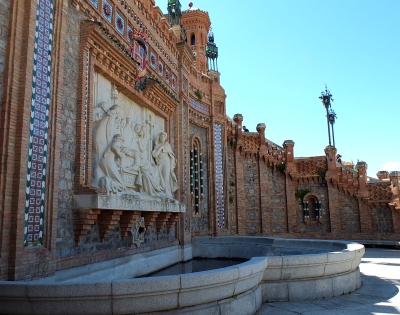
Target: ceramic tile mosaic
point(86, 113)
point(167, 75)
point(120, 23)
point(161, 68)
point(153, 60)
point(219, 176)
point(95, 3)
point(39, 124)
point(184, 131)
point(199, 106)
point(131, 34)
point(174, 82)
point(107, 10)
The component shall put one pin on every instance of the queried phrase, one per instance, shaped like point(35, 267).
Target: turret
point(197, 25)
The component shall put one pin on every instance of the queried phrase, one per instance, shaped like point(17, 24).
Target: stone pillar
point(332, 192)
point(362, 194)
point(395, 179)
point(291, 201)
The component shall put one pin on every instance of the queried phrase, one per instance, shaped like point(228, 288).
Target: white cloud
point(391, 166)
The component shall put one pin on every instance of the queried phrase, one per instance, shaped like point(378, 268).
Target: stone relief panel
point(130, 150)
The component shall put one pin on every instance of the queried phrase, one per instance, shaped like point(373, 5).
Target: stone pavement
point(379, 294)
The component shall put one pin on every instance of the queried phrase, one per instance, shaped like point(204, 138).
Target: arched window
point(312, 208)
point(193, 39)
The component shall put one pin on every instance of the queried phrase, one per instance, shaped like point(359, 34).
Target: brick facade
point(5, 12)
point(251, 186)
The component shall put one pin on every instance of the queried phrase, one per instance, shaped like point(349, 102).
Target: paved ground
point(379, 294)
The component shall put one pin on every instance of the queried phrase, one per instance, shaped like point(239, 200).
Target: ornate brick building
point(114, 140)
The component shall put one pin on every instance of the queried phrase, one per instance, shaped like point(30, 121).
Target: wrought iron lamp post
point(174, 12)
point(326, 99)
point(212, 52)
point(332, 118)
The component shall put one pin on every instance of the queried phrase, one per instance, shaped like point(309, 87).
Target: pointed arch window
point(196, 175)
point(193, 39)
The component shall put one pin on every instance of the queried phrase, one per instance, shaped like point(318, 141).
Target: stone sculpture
point(166, 161)
point(123, 157)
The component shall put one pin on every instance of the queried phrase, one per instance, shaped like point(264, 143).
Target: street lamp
point(332, 118)
point(326, 99)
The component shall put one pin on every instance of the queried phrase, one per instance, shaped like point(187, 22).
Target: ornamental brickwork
point(114, 141)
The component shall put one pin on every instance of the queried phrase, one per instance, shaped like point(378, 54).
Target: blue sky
point(275, 58)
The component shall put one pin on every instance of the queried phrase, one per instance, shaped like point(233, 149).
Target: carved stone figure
point(105, 128)
point(166, 162)
point(110, 164)
point(100, 110)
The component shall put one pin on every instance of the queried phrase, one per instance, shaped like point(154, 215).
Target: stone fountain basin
point(298, 269)
point(326, 268)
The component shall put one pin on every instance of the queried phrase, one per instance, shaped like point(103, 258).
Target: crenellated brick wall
point(262, 188)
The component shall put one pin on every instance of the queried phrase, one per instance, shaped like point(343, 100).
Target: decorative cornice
point(165, 88)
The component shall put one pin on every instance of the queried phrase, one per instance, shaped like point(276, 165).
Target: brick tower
point(197, 24)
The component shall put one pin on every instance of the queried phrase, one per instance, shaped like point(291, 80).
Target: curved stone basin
point(329, 268)
point(298, 269)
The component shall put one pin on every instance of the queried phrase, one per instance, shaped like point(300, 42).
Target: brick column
point(332, 192)
point(383, 174)
point(240, 189)
point(362, 195)
point(395, 179)
point(29, 140)
point(291, 201)
point(182, 145)
point(263, 182)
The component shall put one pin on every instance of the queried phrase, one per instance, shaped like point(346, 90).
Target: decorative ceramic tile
point(219, 178)
point(131, 34)
point(199, 106)
point(120, 23)
point(37, 156)
point(174, 82)
point(139, 54)
point(185, 175)
point(161, 68)
point(153, 60)
point(107, 10)
point(95, 3)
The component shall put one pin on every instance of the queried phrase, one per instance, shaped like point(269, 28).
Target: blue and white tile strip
point(219, 176)
point(39, 125)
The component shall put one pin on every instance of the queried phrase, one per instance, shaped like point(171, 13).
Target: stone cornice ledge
point(129, 202)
